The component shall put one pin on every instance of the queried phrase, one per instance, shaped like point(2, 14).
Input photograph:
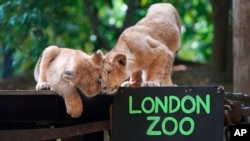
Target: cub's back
point(67, 58)
point(163, 22)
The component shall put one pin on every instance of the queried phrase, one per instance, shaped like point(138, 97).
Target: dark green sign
point(168, 113)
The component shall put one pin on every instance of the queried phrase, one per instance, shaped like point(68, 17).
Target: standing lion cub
point(144, 52)
point(65, 71)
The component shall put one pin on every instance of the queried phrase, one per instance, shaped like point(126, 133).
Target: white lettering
point(240, 132)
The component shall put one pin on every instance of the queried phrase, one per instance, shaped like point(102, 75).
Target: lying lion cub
point(65, 71)
point(146, 49)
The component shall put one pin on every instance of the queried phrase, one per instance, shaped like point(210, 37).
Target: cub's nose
point(104, 87)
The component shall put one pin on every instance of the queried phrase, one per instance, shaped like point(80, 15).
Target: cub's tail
point(36, 70)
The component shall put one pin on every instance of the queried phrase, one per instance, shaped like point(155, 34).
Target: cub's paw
point(151, 84)
point(42, 86)
point(129, 84)
point(75, 108)
point(125, 84)
point(170, 84)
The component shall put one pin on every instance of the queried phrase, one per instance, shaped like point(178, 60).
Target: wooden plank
point(46, 107)
point(54, 133)
point(22, 106)
point(28, 115)
point(27, 92)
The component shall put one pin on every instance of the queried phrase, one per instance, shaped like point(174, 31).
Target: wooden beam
point(46, 107)
point(54, 133)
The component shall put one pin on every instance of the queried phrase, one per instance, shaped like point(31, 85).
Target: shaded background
point(28, 26)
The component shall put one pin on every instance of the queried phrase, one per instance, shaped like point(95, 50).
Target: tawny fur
point(65, 70)
point(144, 52)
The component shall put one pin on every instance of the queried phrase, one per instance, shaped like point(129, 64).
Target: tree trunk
point(7, 62)
point(241, 45)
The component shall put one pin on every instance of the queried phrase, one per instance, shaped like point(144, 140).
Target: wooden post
point(222, 61)
point(241, 45)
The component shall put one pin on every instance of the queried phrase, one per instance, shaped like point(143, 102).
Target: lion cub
point(144, 52)
point(65, 71)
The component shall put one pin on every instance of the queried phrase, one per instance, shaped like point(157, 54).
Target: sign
point(168, 113)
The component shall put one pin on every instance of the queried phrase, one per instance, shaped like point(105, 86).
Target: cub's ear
point(97, 57)
point(69, 75)
point(120, 59)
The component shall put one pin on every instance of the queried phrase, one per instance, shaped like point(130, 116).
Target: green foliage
point(197, 30)
point(28, 26)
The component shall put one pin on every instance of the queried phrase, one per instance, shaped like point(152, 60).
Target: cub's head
point(113, 73)
point(86, 74)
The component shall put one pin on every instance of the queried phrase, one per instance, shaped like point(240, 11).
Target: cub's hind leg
point(44, 62)
point(166, 78)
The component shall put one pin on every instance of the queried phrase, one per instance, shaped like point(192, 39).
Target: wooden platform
point(41, 115)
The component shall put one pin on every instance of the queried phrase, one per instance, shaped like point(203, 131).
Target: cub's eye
point(99, 80)
point(109, 71)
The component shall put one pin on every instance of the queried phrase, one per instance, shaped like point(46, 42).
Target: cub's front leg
point(73, 103)
point(154, 73)
point(159, 71)
point(154, 76)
